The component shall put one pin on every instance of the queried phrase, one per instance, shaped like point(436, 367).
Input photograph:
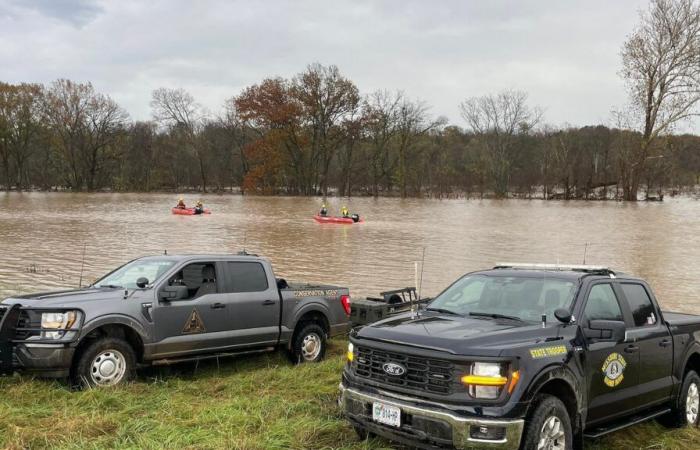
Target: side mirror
point(142, 282)
point(606, 330)
point(563, 315)
point(171, 293)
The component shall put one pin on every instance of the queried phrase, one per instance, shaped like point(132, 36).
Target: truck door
point(254, 314)
point(612, 368)
point(198, 322)
point(653, 338)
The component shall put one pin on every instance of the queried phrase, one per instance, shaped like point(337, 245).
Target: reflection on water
point(43, 236)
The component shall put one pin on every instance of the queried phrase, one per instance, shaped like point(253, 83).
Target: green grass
point(256, 402)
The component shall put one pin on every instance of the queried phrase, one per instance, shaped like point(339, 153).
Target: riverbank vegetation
point(318, 133)
point(259, 402)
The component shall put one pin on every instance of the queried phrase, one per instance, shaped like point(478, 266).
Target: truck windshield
point(126, 276)
point(519, 298)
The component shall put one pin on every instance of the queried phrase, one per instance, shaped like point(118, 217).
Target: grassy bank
point(257, 402)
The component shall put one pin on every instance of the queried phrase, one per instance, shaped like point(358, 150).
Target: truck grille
point(423, 374)
point(22, 322)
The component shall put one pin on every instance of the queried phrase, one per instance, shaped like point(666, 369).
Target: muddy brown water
point(42, 236)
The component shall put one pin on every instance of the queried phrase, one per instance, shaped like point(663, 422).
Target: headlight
point(487, 380)
point(58, 321)
point(351, 352)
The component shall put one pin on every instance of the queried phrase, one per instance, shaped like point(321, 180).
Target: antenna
point(422, 263)
point(82, 266)
point(414, 310)
point(585, 250)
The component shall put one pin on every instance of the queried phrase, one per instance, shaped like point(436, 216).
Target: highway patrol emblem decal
point(194, 324)
point(613, 369)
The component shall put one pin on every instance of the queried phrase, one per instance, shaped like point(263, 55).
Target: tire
point(550, 422)
point(682, 413)
point(105, 362)
point(309, 344)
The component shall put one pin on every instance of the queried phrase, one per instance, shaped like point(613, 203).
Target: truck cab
point(524, 356)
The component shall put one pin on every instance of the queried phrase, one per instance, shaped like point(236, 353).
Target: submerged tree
point(499, 121)
point(85, 127)
point(661, 65)
point(303, 119)
point(381, 112)
point(177, 109)
point(20, 129)
point(413, 122)
point(327, 99)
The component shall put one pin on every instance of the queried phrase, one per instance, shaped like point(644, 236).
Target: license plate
point(388, 415)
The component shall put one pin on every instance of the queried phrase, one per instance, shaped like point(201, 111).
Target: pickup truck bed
point(676, 319)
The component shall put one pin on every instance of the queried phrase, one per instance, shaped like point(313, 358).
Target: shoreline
point(688, 192)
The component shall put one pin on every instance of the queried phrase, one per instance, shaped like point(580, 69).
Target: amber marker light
point(514, 378)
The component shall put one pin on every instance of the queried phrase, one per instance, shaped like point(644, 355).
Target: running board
point(169, 361)
point(621, 425)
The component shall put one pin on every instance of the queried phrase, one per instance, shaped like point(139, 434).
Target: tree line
point(317, 134)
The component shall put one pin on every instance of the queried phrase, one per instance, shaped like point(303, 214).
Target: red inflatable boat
point(187, 211)
point(329, 219)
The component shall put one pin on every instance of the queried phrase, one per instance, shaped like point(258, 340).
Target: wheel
point(687, 405)
point(549, 426)
point(105, 362)
point(309, 344)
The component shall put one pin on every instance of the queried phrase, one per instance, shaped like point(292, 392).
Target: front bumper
point(46, 360)
point(45, 357)
point(430, 427)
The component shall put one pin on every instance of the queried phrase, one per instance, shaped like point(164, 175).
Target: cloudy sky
point(565, 54)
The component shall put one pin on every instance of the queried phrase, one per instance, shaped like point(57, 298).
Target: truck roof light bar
point(587, 268)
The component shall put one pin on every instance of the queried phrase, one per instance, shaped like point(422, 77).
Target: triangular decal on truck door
point(194, 324)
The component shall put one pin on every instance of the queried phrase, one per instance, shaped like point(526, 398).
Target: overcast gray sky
point(565, 54)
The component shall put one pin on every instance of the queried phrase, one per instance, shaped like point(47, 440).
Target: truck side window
point(640, 304)
point(200, 279)
point(602, 304)
point(246, 277)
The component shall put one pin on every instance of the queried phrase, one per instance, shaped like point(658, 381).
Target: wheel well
point(693, 364)
point(562, 390)
point(114, 330)
point(311, 317)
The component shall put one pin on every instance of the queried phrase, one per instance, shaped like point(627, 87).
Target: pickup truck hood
point(69, 298)
point(457, 335)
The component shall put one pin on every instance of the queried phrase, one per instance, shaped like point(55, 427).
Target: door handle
point(268, 302)
point(665, 343)
point(218, 306)
point(631, 349)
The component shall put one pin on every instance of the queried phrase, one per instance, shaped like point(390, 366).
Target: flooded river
point(42, 238)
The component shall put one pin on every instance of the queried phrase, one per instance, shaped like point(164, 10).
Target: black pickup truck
point(167, 309)
point(524, 356)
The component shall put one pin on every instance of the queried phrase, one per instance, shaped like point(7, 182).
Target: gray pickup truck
point(166, 309)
